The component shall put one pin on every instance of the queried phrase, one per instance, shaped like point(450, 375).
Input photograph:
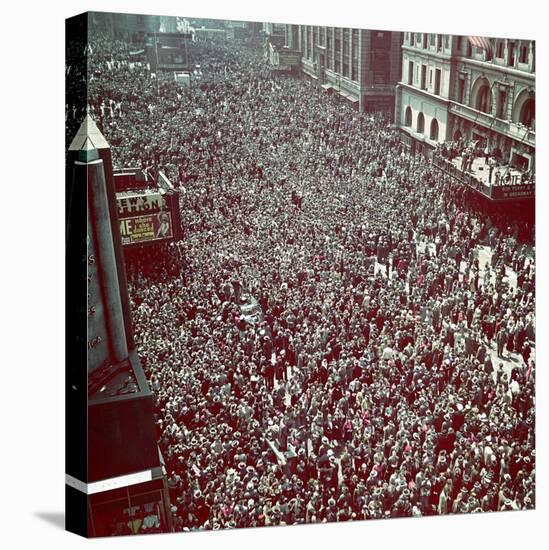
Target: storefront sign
point(513, 192)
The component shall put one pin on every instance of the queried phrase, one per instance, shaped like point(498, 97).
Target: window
point(499, 52)
point(346, 46)
point(337, 50)
point(502, 97)
point(410, 73)
point(438, 74)
point(439, 42)
point(329, 48)
point(524, 109)
point(424, 77)
point(433, 134)
point(408, 116)
point(354, 67)
point(412, 38)
point(458, 44)
point(420, 123)
point(511, 50)
point(484, 99)
point(461, 90)
point(523, 58)
point(446, 41)
point(488, 54)
point(432, 40)
point(425, 40)
point(528, 113)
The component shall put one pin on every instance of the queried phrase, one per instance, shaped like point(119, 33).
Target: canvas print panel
point(324, 265)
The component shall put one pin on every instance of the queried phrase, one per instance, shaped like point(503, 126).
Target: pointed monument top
point(88, 137)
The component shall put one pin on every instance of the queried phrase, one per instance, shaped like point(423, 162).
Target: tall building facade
point(425, 88)
point(455, 87)
point(126, 26)
point(362, 66)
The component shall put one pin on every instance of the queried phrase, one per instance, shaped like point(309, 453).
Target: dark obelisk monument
point(112, 453)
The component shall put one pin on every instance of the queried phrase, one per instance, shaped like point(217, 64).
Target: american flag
point(481, 42)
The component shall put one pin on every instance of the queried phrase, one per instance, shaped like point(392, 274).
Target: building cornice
point(425, 93)
point(427, 53)
point(422, 138)
point(496, 68)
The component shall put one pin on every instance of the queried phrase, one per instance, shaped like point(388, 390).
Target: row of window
point(421, 77)
point(523, 110)
point(342, 51)
point(424, 40)
point(420, 124)
point(482, 99)
point(342, 60)
point(520, 50)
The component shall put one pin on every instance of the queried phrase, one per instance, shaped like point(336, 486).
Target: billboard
point(146, 228)
point(289, 57)
point(133, 203)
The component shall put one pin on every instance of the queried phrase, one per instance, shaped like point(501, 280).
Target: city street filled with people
point(344, 331)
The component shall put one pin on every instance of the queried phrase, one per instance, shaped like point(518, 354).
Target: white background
point(32, 287)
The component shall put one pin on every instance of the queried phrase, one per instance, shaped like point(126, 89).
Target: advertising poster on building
point(289, 58)
point(128, 204)
point(146, 228)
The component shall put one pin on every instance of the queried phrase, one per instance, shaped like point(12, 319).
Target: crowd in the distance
point(390, 373)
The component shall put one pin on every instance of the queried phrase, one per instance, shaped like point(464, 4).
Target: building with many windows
point(127, 26)
point(361, 66)
point(471, 88)
point(424, 91)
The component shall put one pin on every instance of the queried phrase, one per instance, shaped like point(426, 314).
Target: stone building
point(452, 88)
point(361, 66)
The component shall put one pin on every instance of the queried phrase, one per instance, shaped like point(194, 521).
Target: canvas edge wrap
point(76, 514)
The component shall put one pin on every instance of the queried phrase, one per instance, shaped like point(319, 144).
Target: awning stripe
point(481, 42)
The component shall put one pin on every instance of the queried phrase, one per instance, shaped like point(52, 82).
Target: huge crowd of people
point(390, 370)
